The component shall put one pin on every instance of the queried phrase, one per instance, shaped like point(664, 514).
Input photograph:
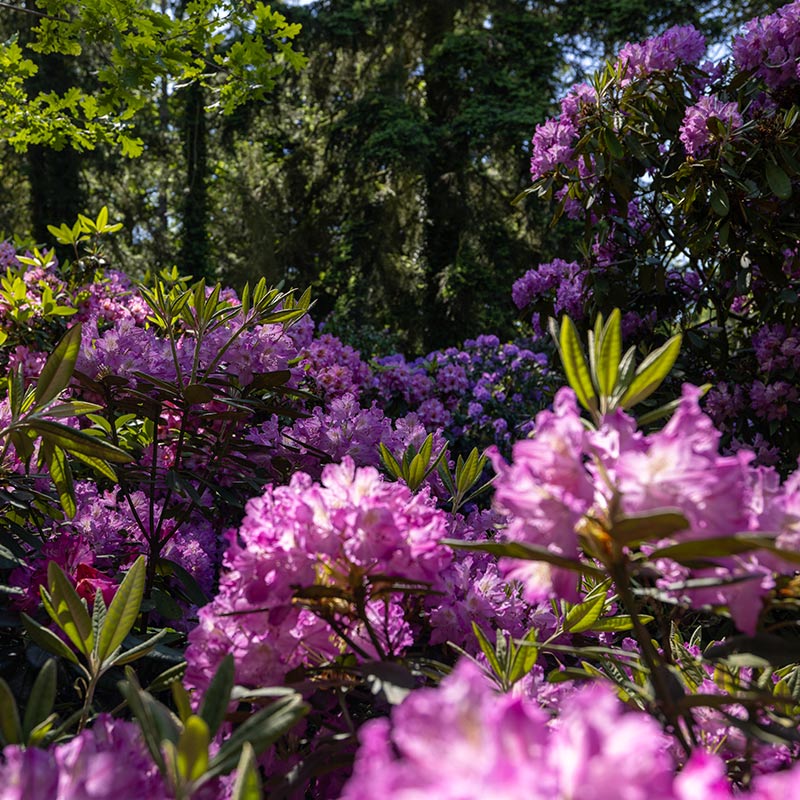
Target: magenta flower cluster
point(695, 134)
point(350, 532)
point(771, 47)
point(566, 473)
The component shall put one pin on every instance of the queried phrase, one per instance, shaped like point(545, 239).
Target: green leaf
point(218, 695)
point(123, 610)
point(42, 697)
point(10, 728)
point(138, 651)
point(59, 367)
point(582, 617)
point(716, 547)
point(74, 441)
point(525, 656)
point(261, 730)
point(47, 640)
point(70, 612)
point(651, 372)
point(656, 524)
point(622, 622)
point(193, 748)
point(488, 649)
point(575, 366)
point(609, 353)
point(59, 469)
point(527, 552)
point(779, 182)
point(720, 202)
point(248, 782)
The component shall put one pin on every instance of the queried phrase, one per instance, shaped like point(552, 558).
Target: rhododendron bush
point(238, 559)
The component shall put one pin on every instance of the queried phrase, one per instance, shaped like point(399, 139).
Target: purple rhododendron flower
point(695, 134)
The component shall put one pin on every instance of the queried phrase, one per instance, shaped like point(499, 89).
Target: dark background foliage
point(382, 174)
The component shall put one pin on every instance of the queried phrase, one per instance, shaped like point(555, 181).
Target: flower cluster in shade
point(104, 539)
point(507, 746)
point(351, 533)
point(567, 472)
point(695, 133)
point(771, 47)
point(564, 280)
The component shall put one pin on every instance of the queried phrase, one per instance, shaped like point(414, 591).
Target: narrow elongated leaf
point(623, 622)
point(139, 650)
point(123, 610)
point(525, 656)
point(652, 372)
point(58, 368)
point(193, 748)
point(575, 366)
point(779, 182)
point(609, 354)
point(248, 782)
point(59, 469)
point(71, 614)
point(75, 441)
point(488, 649)
point(262, 729)
point(656, 524)
point(10, 728)
point(42, 697)
point(716, 547)
point(218, 696)
point(582, 616)
point(527, 552)
point(47, 640)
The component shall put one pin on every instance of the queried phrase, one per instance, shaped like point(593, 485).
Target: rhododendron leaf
point(776, 651)
point(38, 733)
point(97, 464)
point(74, 408)
point(390, 462)
point(57, 371)
point(74, 441)
point(193, 748)
point(581, 617)
point(248, 781)
point(182, 700)
point(98, 617)
point(58, 467)
point(198, 393)
point(189, 585)
point(123, 610)
point(525, 656)
point(575, 367)
point(488, 649)
point(720, 202)
point(47, 640)
point(527, 552)
point(391, 680)
point(41, 698)
point(622, 622)
point(779, 182)
point(467, 472)
point(651, 372)
point(139, 650)
point(218, 695)
point(656, 524)
point(10, 728)
point(609, 352)
point(262, 729)
point(143, 712)
point(162, 681)
point(715, 547)
point(70, 612)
